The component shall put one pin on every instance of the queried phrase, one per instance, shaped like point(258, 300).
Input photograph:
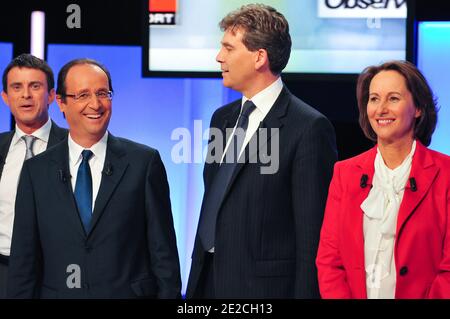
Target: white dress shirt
point(10, 179)
point(263, 101)
point(96, 163)
point(380, 221)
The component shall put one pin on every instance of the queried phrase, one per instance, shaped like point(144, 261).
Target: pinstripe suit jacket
point(267, 229)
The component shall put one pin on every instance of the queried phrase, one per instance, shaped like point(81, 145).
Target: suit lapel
point(228, 121)
point(271, 125)
point(4, 148)
point(273, 120)
point(424, 171)
point(115, 166)
point(358, 193)
point(56, 135)
point(60, 179)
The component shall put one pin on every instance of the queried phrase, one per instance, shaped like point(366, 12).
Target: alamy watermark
point(73, 21)
point(74, 278)
point(202, 146)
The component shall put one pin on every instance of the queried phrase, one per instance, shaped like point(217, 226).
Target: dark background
point(121, 23)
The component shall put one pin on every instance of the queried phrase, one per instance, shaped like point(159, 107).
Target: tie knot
point(248, 108)
point(29, 140)
point(86, 155)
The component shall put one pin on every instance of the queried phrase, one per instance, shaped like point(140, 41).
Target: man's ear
point(61, 103)
point(51, 96)
point(5, 98)
point(261, 59)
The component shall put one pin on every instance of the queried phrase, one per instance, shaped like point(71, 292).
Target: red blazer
point(422, 244)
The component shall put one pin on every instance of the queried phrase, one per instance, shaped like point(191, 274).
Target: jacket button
point(88, 248)
point(86, 286)
point(403, 271)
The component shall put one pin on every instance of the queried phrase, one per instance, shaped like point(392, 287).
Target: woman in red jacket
point(386, 232)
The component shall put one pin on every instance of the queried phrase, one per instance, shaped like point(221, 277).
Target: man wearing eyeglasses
point(28, 91)
point(93, 216)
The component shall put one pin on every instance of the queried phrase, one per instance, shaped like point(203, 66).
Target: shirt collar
point(41, 133)
point(98, 149)
point(266, 98)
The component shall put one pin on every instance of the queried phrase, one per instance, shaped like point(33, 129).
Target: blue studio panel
point(150, 111)
point(433, 61)
point(6, 52)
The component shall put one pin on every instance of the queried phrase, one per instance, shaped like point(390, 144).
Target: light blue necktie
point(29, 141)
point(83, 190)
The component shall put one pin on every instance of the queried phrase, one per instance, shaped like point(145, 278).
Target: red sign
point(162, 5)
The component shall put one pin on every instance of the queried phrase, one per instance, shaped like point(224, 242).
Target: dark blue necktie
point(213, 200)
point(83, 190)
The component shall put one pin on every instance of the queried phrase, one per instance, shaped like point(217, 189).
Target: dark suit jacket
point(57, 134)
point(268, 226)
point(130, 250)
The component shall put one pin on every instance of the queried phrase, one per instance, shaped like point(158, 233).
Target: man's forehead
point(86, 76)
point(22, 70)
point(232, 35)
point(86, 71)
point(85, 67)
point(25, 74)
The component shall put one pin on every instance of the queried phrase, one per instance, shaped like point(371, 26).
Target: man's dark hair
point(27, 60)
point(61, 89)
point(264, 28)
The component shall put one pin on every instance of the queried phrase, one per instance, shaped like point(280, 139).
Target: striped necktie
point(29, 142)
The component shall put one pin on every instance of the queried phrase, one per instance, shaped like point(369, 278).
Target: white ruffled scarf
point(383, 204)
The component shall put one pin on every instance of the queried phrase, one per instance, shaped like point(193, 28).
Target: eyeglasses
point(86, 96)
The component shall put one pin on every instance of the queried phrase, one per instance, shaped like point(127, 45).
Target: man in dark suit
point(28, 91)
point(259, 230)
point(93, 216)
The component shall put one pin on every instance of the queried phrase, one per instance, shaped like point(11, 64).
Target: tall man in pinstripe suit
point(258, 232)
